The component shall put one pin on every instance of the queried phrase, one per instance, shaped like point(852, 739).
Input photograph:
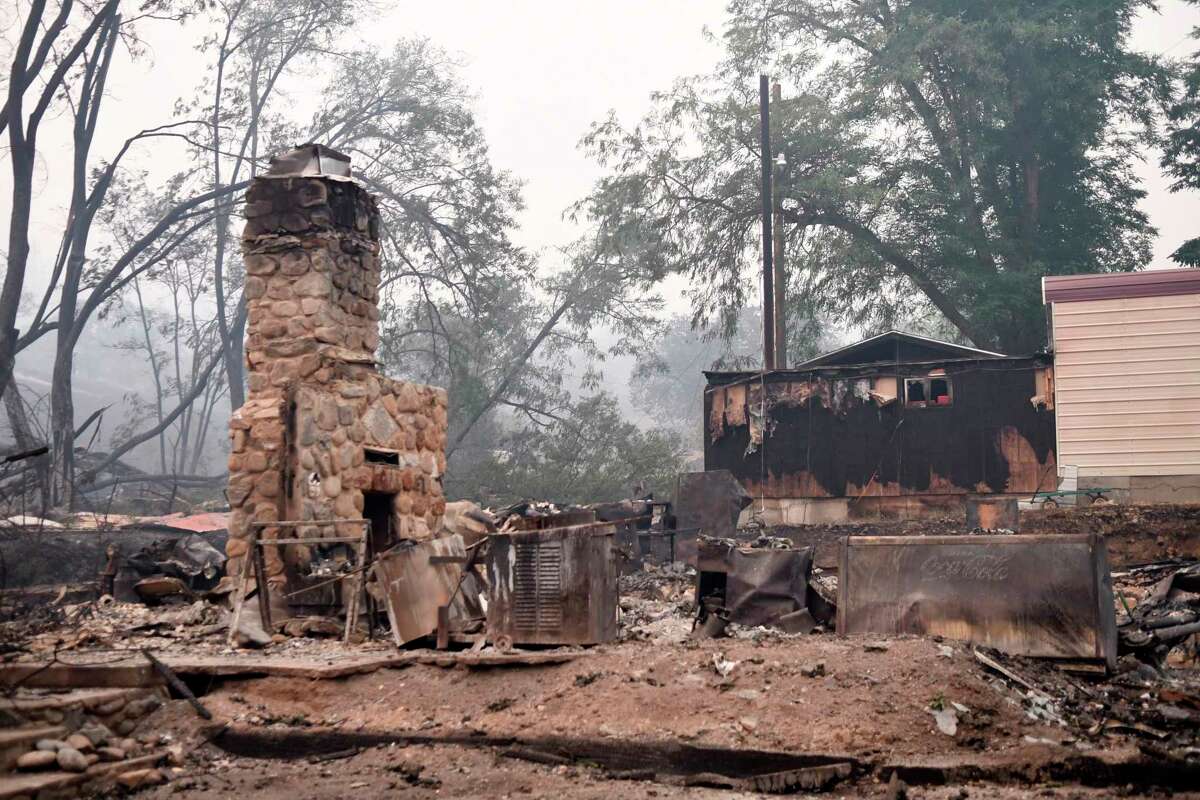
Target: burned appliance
point(556, 586)
point(752, 586)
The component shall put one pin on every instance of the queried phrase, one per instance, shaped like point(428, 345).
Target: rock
point(96, 733)
point(947, 720)
point(111, 707)
point(126, 727)
point(111, 754)
point(175, 755)
point(875, 647)
point(37, 759)
point(138, 778)
point(748, 723)
point(816, 670)
point(142, 707)
point(313, 626)
point(896, 788)
point(71, 760)
point(80, 742)
point(51, 745)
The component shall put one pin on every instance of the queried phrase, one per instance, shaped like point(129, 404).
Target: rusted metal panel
point(757, 585)
point(993, 513)
point(555, 586)
point(707, 503)
point(1045, 596)
point(414, 588)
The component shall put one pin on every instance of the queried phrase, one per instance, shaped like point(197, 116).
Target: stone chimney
point(323, 435)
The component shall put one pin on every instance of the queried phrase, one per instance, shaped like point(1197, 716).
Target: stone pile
point(83, 742)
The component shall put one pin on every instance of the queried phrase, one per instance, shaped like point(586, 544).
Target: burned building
point(894, 426)
point(323, 436)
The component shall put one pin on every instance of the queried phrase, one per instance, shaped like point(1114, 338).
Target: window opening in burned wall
point(928, 392)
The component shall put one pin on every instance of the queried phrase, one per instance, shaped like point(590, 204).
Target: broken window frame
point(926, 384)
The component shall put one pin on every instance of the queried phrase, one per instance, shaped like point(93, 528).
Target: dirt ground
point(430, 771)
point(873, 704)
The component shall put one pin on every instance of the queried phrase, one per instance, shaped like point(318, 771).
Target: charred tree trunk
point(26, 439)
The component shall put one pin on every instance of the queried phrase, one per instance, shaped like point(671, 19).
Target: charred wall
point(847, 432)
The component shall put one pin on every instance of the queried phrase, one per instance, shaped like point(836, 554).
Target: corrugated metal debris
point(415, 579)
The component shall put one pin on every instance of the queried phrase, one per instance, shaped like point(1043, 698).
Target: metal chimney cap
point(310, 160)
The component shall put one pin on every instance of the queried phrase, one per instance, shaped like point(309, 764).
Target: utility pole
point(780, 277)
point(768, 275)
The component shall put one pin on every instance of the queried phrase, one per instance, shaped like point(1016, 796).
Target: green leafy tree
point(1181, 156)
point(941, 156)
point(589, 452)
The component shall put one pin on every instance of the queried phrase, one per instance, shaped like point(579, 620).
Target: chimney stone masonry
point(323, 435)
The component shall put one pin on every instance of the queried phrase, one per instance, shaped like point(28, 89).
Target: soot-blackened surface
point(897, 450)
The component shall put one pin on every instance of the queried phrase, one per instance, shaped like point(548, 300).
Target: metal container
point(1045, 596)
point(756, 586)
point(553, 587)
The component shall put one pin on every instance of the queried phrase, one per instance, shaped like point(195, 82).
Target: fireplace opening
point(377, 507)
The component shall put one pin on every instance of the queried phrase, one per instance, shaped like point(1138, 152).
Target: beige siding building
point(1127, 382)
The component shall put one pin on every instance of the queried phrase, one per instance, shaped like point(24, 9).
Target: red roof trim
point(1118, 285)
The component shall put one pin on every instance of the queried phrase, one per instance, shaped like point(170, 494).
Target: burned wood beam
point(175, 683)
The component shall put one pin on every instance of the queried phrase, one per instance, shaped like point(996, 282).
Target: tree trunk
point(21, 155)
point(62, 432)
point(14, 407)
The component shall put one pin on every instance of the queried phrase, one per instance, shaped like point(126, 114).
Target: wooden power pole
point(768, 275)
point(780, 276)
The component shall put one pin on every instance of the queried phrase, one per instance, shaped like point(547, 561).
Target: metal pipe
point(768, 276)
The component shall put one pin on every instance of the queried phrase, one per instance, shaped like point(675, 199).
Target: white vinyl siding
point(1127, 385)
